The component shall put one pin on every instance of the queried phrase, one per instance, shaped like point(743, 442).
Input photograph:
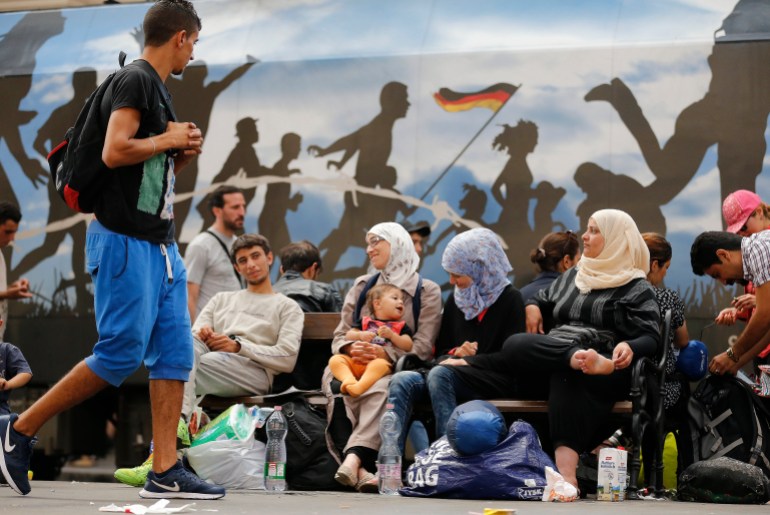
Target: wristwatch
point(731, 355)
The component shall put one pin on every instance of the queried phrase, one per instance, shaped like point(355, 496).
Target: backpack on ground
point(726, 418)
point(77, 169)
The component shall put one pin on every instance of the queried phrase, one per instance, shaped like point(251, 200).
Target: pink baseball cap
point(737, 208)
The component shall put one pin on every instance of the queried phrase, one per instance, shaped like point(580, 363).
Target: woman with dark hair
point(556, 253)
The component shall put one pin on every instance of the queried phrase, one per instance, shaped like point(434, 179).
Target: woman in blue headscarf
point(482, 311)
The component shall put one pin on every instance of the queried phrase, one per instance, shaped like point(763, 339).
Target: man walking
point(139, 278)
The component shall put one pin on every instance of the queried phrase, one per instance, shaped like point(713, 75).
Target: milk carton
point(611, 474)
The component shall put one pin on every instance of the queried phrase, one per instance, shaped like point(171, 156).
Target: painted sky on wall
point(324, 62)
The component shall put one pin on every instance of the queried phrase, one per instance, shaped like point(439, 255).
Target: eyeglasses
point(373, 241)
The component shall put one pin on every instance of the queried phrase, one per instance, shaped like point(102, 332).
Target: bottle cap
point(277, 408)
point(389, 405)
point(621, 448)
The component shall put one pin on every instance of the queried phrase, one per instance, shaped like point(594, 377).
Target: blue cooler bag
point(514, 469)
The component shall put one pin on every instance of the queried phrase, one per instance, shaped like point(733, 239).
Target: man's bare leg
point(79, 384)
point(166, 399)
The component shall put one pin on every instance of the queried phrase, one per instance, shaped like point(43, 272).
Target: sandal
point(346, 476)
point(369, 484)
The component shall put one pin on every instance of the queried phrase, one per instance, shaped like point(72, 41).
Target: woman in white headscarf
point(395, 261)
point(606, 313)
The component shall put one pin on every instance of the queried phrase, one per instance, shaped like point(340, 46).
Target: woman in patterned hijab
point(478, 255)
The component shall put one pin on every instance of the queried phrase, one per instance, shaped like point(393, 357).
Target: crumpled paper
point(556, 489)
point(140, 509)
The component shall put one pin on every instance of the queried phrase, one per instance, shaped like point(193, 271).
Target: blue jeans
point(446, 389)
point(405, 390)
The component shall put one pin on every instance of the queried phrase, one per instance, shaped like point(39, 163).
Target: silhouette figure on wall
point(548, 197)
point(18, 50)
point(194, 100)
point(732, 114)
point(356, 220)
point(473, 204)
point(516, 180)
point(278, 198)
point(373, 142)
point(242, 159)
point(605, 189)
point(50, 134)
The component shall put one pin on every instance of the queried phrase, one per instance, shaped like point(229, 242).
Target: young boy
point(14, 372)
point(386, 303)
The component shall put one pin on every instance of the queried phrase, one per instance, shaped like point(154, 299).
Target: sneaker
point(136, 476)
point(179, 483)
point(16, 454)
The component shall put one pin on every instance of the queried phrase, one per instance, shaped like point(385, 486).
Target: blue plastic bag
point(514, 469)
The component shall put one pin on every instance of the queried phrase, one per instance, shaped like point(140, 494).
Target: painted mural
point(334, 115)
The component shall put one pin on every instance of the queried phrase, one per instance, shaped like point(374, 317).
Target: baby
point(386, 303)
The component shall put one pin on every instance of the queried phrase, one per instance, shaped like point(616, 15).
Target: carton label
point(612, 474)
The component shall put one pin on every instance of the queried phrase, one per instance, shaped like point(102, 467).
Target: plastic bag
point(514, 469)
point(238, 464)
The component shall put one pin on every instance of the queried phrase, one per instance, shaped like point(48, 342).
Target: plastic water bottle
point(275, 452)
point(389, 458)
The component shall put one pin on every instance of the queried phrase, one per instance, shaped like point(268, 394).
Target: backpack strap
point(416, 300)
point(162, 90)
point(224, 247)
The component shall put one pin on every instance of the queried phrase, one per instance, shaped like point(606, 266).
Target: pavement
point(79, 498)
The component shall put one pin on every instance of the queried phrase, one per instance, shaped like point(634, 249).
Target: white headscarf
point(404, 260)
point(624, 257)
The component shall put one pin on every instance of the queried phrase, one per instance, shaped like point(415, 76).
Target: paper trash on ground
point(140, 509)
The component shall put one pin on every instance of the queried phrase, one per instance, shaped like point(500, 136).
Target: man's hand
point(745, 301)
point(727, 316)
point(466, 349)
point(721, 364)
point(3, 384)
point(184, 136)
point(452, 362)
point(18, 290)
point(222, 343)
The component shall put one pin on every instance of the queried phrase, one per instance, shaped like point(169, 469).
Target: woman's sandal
point(346, 476)
point(368, 484)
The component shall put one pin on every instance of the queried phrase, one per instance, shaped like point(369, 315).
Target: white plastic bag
point(238, 464)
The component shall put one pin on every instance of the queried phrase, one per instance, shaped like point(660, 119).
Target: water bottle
point(275, 452)
point(389, 458)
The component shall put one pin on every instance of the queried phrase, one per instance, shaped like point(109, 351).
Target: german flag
point(493, 97)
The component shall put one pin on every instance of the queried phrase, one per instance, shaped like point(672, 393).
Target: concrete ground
point(78, 498)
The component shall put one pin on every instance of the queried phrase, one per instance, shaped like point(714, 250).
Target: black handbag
point(309, 464)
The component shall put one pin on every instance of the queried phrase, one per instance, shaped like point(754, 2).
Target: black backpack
point(77, 169)
point(726, 418)
point(309, 464)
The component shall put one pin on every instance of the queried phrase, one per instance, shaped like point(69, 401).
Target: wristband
point(731, 355)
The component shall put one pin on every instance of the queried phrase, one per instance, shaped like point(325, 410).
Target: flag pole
point(446, 170)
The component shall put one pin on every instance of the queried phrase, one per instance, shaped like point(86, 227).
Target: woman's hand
point(622, 355)
point(364, 352)
point(452, 362)
point(727, 316)
point(466, 349)
point(534, 319)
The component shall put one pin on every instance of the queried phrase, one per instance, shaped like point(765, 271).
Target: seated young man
point(243, 339)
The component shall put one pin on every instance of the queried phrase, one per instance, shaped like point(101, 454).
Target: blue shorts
point(140, 315)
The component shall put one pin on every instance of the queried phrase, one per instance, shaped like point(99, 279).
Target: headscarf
point(478, 254)
point(624, 257)
point(403, 261)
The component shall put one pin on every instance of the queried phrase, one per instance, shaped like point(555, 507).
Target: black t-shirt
point(137, 200)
